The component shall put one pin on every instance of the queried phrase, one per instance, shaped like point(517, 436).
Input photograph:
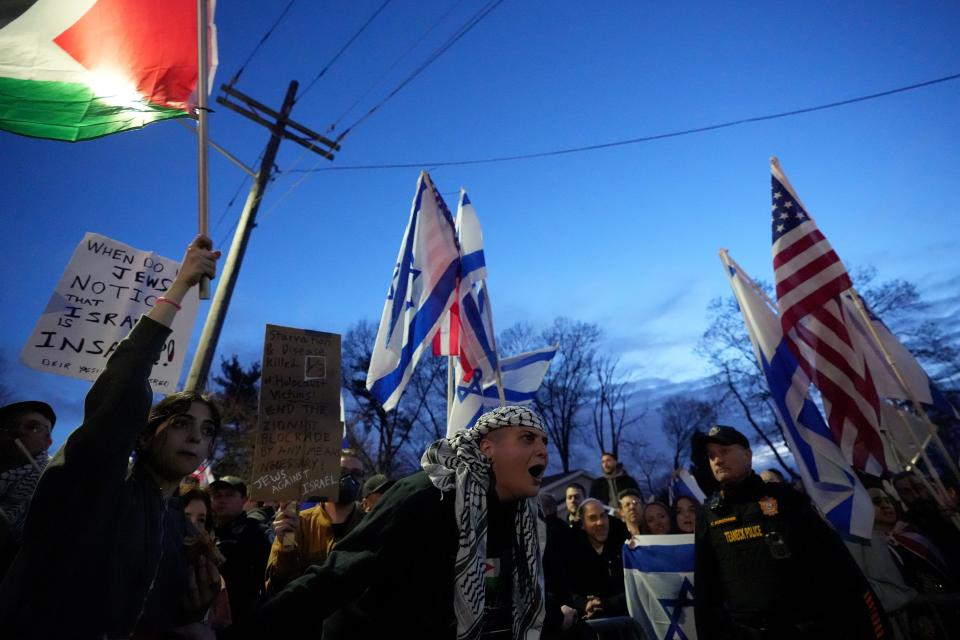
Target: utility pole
point(256, 111)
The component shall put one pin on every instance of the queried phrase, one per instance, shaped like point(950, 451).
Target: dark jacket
point(600, 488)
point(395, 570)
point(768, 566)
point(392, 576)
point(243, 542)
point(599, 574)
point(98, 533)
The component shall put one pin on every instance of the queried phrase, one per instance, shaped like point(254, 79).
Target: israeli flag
point(478, 348)
point(685, 484)
point(828, 479)
point(658, 577)
point(521, 376)
point(423, 287)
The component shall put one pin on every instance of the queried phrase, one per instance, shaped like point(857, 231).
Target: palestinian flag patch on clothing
point(81, 69)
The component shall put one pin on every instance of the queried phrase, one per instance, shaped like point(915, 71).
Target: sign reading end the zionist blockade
point(105, 289)
point(298, 443)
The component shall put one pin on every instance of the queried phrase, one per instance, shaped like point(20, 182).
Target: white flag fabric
point(828, 478)
point(658, 578)
point(684, 484)
point(478, 349)
point(473, 267)
point(904, 432)
point(884, 377)
point(424, 285)
point(521, 374)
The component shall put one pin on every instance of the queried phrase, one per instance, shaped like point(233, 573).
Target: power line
point(344, 48)
point(313, 82)
point(462, 31)
point(620, 143)
point(226, 209)
point(265, 37)
point(306, 172)
point(396, 61)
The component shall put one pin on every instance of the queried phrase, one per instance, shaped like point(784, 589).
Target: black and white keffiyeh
point(16, 490)
point(456, 463)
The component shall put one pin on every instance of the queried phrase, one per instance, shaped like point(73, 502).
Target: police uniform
point(768, 566)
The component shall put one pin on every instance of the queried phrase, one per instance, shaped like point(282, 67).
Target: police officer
point(767, 565)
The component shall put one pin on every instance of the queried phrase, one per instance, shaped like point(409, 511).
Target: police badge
point(768, 506)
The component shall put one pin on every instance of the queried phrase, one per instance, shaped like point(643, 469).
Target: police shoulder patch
point(769, 506)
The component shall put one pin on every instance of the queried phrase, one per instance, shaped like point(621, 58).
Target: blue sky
point(624, 237)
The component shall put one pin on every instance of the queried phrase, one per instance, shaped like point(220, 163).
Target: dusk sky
point(625, 237)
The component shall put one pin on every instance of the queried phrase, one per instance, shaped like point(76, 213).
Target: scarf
point(16, 490)
point(456, 463)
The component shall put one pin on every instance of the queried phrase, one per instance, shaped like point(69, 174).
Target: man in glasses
point(24, 439)
point(306, 538)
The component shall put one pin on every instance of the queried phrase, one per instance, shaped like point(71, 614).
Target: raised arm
point(116, 408)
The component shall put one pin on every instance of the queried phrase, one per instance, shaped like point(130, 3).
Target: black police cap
point(720, 434)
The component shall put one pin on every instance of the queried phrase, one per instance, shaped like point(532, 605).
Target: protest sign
point(297, 450)
point(105, 288)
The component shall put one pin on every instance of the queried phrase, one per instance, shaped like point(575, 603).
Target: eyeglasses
point(878, 500)
point(184, 421)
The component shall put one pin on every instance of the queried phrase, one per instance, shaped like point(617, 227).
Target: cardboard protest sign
point(104, 290)
point(297, 450)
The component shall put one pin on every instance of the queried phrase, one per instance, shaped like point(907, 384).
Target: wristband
point(168, 301)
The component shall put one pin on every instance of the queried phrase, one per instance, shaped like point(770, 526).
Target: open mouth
point(537, 471)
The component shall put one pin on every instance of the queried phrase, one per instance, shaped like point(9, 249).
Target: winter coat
point(600, 488)
point(103, 549)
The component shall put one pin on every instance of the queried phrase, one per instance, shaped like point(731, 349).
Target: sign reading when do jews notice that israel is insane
point(299, 435)
point(102, 293)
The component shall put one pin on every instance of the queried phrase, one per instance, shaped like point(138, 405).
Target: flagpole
point(904, 459)
point(493, 342)
point(728, 262)
point(202, 87)
point(451, 387)
point(914, 401)
point(937, 490)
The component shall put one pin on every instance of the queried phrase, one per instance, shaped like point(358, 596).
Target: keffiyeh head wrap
point(456, 463)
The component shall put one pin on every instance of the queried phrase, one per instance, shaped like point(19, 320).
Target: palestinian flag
point(81, 69)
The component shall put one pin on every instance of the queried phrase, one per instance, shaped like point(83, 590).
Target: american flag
point(810, 278)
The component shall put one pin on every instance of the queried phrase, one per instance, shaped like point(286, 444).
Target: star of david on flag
point(423, 287)
point(658, 577)
point(521, 374)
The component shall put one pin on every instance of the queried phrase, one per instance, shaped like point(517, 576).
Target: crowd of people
point(112, 538)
